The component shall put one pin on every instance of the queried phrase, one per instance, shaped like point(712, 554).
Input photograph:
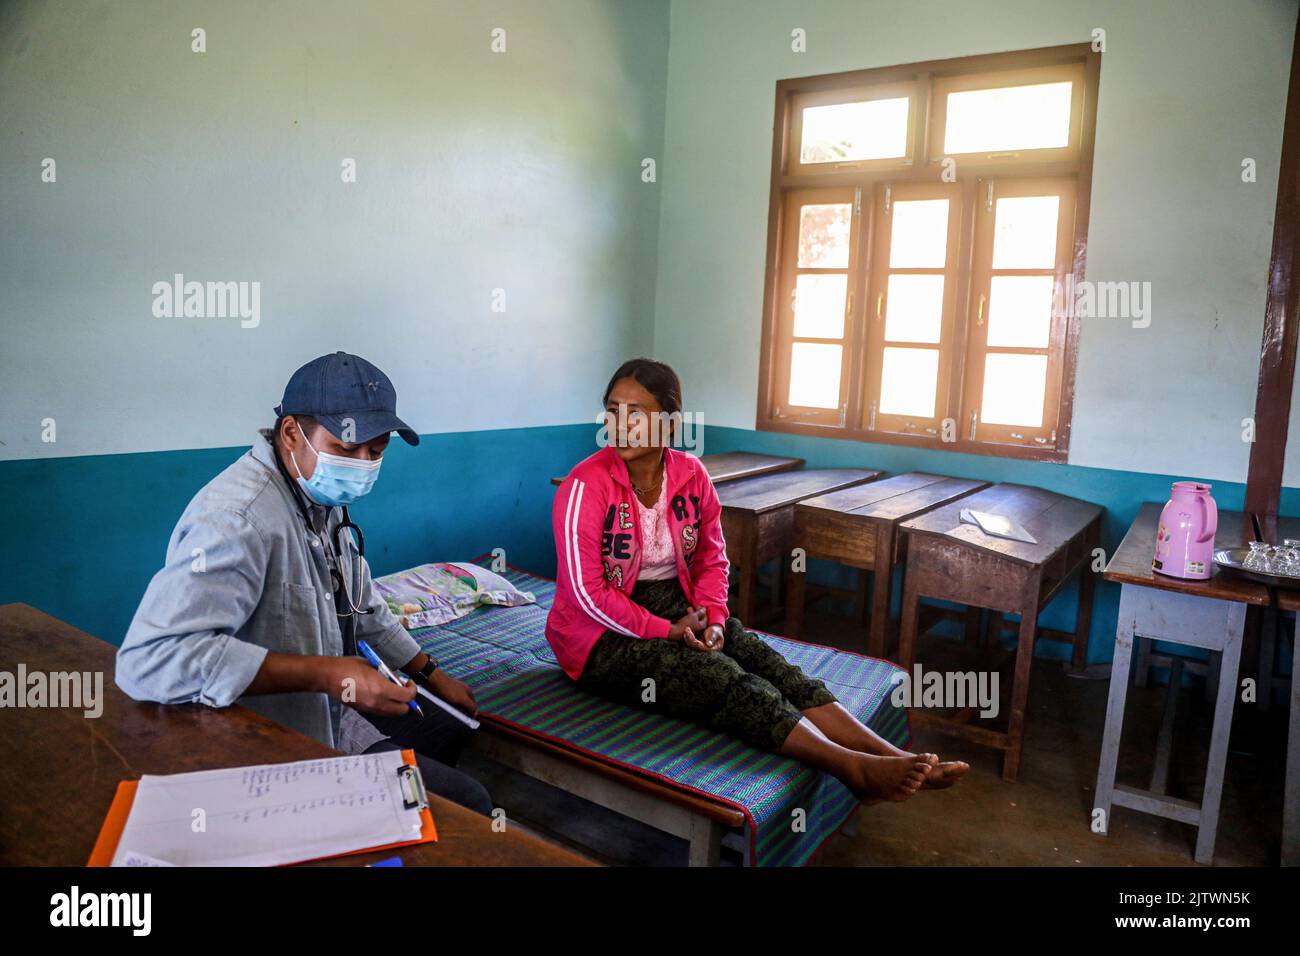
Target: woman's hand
point(710, 639)
point(714, 637)
point(694, 620)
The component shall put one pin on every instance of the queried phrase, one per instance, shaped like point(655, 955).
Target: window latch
point(988, 196)
point(889, 190)
point(974, 417)
point(844, 413)
point(871, 420)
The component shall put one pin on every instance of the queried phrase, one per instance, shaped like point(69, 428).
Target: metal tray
point(1233, 559)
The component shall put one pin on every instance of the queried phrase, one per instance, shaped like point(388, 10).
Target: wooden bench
point(950, 560)
point(857, 527)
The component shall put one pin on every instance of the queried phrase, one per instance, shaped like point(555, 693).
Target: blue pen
point(369, 654)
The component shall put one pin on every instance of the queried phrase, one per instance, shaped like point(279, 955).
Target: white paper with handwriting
point(269, 814)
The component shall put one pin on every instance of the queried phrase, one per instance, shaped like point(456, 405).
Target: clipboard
point(110, 834)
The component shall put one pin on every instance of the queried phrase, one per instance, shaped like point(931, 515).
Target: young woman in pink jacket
point(640, 613)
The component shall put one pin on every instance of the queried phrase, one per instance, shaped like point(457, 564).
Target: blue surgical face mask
point(337, 481)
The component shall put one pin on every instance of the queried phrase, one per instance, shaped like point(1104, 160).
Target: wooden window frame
point(809, 415)
point(887, 196)
point(867, 180)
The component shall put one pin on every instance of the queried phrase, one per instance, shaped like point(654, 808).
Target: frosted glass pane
point(845, 132)
point(1014, 386)
point(1024, 232)
point(919, 234)
point(1020, 311)
point(914, 308)
point(1008, 118)
point(815, 375)
point(819, 306)
point(824, 235)
point(908, 380)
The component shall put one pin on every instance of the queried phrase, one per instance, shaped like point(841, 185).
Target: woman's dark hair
point(656, 378)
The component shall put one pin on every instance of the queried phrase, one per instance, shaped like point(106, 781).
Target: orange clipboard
point(110, 834)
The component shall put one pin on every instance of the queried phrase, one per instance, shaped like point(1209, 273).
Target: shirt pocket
point(300, 623)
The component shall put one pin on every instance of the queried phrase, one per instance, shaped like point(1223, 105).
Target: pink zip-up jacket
point(598, 546)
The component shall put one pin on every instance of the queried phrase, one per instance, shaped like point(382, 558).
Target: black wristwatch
point(426, 672)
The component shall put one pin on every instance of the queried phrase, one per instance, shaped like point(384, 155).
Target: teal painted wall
point(90, 532)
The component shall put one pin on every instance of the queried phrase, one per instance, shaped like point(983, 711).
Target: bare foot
point(944, 774)
point(890, 778)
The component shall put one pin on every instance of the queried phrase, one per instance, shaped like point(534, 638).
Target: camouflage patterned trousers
point(747, 689)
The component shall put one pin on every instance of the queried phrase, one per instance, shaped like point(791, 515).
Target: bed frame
point(706, 825)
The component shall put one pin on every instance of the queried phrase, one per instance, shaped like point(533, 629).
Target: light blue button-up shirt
point(244, 576)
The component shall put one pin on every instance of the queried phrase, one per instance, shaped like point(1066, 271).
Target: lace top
point(658, 562)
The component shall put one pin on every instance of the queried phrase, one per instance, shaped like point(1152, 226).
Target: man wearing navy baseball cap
point(266, 599)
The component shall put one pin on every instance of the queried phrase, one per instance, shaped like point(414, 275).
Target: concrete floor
point(1041, 820)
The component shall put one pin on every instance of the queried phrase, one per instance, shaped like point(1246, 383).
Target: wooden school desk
point(857, 527)
point(1206, 614)
point(59, 769)
point(758, 520)
point(951, 561)
point(733, 465)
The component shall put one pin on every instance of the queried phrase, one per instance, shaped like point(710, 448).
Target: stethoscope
point(334, 558)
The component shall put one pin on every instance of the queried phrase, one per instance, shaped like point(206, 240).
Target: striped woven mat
point(501, 652)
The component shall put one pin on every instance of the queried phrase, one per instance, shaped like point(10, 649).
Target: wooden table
point(733, 465)
point(857, 527)
point(59, 769)
point(1208, 614)
point(758, 520)
point(951, 561)
point(1287, 600)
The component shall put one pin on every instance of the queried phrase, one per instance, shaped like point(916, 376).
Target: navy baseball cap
point(341, 388)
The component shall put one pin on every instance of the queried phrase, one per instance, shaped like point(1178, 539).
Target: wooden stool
point(1206, 614)
point(952, 561)
point(758, 519)
point(857, 527)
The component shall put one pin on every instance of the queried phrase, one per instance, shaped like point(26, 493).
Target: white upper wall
point(1188, 89)
point(475, 171)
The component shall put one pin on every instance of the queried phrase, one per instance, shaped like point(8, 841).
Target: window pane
point(819, 306)
point(908, 380)
point(919, 235)
point(1014, 386)
point(914, 308)
point(845, 132)
point(1020, 311)
point(1011, 117)
point(824, 236)
point(1024, 232)
point(815, 375)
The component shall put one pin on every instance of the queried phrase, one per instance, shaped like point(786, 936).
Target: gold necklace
point(645, 491)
